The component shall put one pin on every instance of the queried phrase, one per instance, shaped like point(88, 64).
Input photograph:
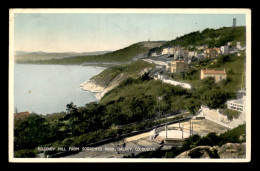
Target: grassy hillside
point(147, 90)
point(122, 55)
point(132, 70)
point(211, 37)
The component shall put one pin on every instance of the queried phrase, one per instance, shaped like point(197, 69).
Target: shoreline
point(92, 87)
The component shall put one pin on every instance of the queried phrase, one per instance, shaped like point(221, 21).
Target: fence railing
point(109, 140)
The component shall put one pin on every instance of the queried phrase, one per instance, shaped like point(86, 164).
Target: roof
point(21, 115)
point(211, 49)
point(178, 61)
point(213, 72)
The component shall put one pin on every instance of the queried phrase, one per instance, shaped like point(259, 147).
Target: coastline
point(99, 90)
point(92, 87)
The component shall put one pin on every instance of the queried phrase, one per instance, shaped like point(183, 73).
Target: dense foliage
point(211, 37)
point(121, 72)
point(142, 95)
point(230, 113)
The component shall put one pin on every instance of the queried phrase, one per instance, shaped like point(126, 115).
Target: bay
point(46, 89)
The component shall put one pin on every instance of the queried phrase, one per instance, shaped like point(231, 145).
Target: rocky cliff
point(229, 150)
point(100, 90)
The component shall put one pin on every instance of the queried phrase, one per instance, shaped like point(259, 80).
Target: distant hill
point(39, 55)
point(122, 55)
point(21, 52)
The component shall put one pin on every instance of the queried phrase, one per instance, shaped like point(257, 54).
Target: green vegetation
point(212, 139)
point(136, 99)
point(103, 134)
point(122, 72)
point(122, 55)
point(82, 126)
point(145, 93)
point(95, 122)
point(25, 153)
point(212, 94)
point(142, 95)
point(235, 135)
point(211, 37)
point(234, 66)
point(230, 113)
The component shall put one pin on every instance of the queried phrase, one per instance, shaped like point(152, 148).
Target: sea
point(47, 89)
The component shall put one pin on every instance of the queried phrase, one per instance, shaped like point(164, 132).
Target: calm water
point(48, 88)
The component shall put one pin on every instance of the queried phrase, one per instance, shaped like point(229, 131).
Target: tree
point(215, 98)
point(191, 142)
point(208, 83)
point(31, 132)
point(145, 77)
point(193, 105)
point(73, 116)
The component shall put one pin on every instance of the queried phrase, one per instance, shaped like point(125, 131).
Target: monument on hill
point(234, 22)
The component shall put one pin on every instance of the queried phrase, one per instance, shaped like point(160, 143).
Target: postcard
point(129, 85)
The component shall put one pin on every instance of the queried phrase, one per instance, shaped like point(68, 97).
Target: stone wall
point(217, 117)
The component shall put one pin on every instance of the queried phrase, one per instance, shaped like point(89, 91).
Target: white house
point(238, 45)
point(171, 51)
point(154, 54)
point(224, 50)
point(165, 51)
point(192, 53)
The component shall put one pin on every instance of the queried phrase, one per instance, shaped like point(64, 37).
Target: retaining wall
point(217, 117)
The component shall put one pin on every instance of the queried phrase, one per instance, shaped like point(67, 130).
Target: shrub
point(230, 113)
point(25, 153)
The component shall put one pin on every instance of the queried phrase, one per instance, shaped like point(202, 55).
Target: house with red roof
point(218, 75)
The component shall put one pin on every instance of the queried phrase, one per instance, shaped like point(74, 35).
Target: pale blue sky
point(96, 32)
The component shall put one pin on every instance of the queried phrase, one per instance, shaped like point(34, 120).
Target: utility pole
point(166, 130)
point(182, 132)
point(190, 127)
point(159, 99)
point(242, 80)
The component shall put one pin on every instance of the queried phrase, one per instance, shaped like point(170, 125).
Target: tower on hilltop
point(234, 22)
